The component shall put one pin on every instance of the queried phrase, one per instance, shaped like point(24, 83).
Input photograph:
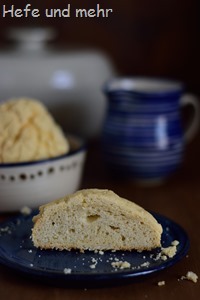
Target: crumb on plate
point(25, 210)
point(121, 264)
point(67, 271)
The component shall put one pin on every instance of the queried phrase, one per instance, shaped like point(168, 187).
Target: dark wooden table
point(178, 198)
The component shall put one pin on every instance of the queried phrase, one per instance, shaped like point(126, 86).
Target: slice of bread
point(96, 220)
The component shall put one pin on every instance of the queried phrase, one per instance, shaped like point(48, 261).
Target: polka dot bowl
point(35, 183)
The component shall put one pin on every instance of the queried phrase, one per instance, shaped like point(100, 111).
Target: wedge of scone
point(95, 219)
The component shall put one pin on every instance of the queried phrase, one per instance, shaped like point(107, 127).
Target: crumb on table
point(190, 276)
point(161, 283)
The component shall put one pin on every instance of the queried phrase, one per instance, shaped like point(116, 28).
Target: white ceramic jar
point(68, 82)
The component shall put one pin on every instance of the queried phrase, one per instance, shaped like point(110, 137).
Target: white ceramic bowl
point(38, 182)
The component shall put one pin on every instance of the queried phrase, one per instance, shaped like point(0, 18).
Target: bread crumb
point(175, 243)
point(164, 257)
point(190, 276)
point(158, 256)
point(116, 259)
point(161, 283)
point(25, 210)
point(4, 229)
point(67, 271)
point(167, 252)
point(93, 266)
point(121, 265)
point(170, 251)
point(94, 260)
point(145, 264)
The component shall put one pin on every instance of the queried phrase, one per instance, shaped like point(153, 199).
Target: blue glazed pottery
point(142, 135)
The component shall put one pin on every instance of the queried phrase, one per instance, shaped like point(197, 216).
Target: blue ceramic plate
point(86, 269)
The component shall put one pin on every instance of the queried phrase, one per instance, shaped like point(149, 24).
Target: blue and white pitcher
point(143, 136)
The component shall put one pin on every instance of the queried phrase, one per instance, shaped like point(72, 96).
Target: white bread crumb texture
point(96, 220)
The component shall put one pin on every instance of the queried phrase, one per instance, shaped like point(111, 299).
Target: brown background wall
point(142, 37)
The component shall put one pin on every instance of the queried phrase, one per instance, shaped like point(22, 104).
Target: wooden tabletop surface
point(178, 198)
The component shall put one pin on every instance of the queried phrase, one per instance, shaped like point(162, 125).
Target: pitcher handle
point(189, 99)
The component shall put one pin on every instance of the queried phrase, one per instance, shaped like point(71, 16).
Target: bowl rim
point(80, 148)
